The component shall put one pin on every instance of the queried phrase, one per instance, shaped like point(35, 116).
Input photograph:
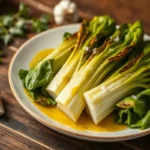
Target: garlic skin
point(65, 4)
point(1, 108)
point(65, 11)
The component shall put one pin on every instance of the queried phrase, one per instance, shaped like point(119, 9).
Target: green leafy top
point(135, 110)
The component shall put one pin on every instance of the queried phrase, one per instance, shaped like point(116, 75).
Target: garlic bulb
point(65, 11)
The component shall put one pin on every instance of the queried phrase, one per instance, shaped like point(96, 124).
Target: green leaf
point(46, 101)
point(1, 31)
point(39, 75)
point(66, 36)
point(6, 39)
point(126, 116)
point(7, 20)
point(45, 19)
point(16, 31)
point(144, 93)
point(20, 23)
point(33, 95)
point(137, 106)
point(22, 75)
point(143, 123)
point(39, 26)
point(23, 10)
point(36, 95)
point(51, 101)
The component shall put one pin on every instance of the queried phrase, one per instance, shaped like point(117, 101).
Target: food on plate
point(98, 69)
point(36, 79)
point(134, 110)
point(131, 77)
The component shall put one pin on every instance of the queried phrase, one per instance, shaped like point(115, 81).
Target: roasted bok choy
point(99, 68)
point(135, 110)
point(36, 79)
point(131, 77)
point(101, 62)
point(89, 36)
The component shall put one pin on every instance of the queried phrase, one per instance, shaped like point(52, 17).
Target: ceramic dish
point(21, 59)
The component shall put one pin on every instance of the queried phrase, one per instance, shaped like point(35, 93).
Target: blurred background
point(121, 10)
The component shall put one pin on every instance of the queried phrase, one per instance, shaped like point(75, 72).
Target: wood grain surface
point(18, 130)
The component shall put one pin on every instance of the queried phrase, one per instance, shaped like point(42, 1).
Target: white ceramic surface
point(21, 59)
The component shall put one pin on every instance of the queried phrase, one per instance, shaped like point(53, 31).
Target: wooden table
point(18, 130)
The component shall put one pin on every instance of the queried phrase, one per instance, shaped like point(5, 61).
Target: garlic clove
point(65, 4)
point(65, 12)
point(58, 10)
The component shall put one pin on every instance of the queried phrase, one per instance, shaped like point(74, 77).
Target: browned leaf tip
point(106, 43)
point(100, 49)
point(85, 36)
point(81, 35)
point(125, 104)
point(122, 54)
point(132, 63)
point(93, 41)
point(73, 36)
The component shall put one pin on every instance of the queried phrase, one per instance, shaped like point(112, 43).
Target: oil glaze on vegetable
point(84, 122)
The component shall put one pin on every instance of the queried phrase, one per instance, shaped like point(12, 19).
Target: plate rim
point(59, 129)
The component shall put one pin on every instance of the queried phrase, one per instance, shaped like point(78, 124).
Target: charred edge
point(100, 49)
point(106, 43)
point(73, 36)
point(79, 36)
point(132, 63)
point(124, 105)
point(71, 49)
point(93, 41)
point(84, 38)
point(42, 101)
point(122, 54)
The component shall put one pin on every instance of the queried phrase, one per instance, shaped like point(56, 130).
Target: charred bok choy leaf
point(135, 110)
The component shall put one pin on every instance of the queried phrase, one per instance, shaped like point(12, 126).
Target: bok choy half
point(89, 36)
point(37, 78)
point(133, 76)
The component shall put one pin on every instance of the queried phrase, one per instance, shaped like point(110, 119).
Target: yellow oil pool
point(84, 122)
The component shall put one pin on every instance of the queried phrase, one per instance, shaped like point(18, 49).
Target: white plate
point(21, 59)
